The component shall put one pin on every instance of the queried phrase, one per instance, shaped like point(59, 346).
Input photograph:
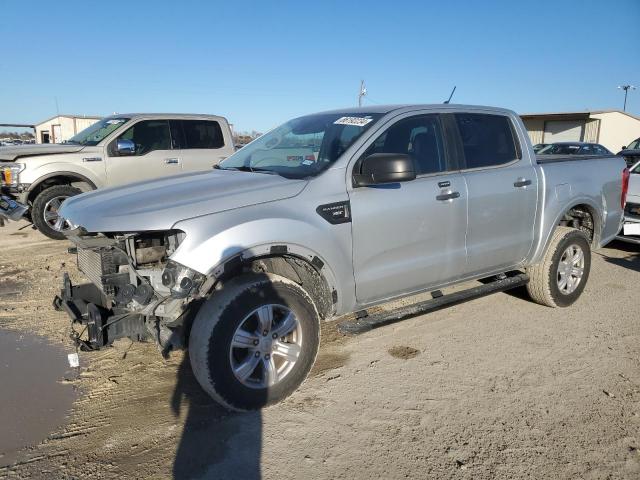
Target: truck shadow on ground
point(215, 443)
point(630, 261)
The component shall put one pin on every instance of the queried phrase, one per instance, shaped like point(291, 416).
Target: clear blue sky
point(260, 63)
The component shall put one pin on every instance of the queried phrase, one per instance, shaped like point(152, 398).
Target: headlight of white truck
point(181, 280)
point(10, 172)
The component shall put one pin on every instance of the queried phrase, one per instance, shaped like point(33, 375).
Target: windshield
point(97, 132)
point(302, 147)
point(635, 145)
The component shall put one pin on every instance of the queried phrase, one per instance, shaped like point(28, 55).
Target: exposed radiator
point(95, 264)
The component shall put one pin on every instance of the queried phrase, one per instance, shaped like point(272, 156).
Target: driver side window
point(420, 137)
point(149, 135)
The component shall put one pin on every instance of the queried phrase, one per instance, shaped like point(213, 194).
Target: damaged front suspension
point(86, 304)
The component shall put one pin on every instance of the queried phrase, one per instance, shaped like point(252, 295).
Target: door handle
point(169, 161)
point(92, 159)
point(448, 196)
point(521, 182)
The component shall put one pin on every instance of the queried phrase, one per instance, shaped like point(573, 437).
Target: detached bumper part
point(87, 305)
point(10, 209)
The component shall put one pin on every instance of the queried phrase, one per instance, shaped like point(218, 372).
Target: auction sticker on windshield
point(356, 121)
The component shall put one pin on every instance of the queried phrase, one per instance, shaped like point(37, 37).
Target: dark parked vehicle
point(631, 152)
point(539, 146)
point(574, 148)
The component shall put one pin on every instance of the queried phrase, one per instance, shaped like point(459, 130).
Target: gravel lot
point(495, 388)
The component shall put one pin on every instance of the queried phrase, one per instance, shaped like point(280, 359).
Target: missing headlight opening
point(135, 290)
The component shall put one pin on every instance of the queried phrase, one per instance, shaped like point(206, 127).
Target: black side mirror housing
point(384, 168)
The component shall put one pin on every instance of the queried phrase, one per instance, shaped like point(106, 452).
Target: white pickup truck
point(116, 150)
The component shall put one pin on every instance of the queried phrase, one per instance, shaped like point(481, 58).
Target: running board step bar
point(364, 322)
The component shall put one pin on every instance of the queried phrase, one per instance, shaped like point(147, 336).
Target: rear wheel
point(560, 278)
point(253, 342)
point(45, 210)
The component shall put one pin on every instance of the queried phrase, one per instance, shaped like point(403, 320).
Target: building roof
point(91, 117)
point(584, 113)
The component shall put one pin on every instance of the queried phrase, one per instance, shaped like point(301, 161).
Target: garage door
point(563, 131)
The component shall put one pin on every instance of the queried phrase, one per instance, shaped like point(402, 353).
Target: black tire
point(217, 322)
point(38, 208)
point(543, 286)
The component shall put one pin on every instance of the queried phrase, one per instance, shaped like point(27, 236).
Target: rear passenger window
point(587, 150)
point(202, 134)
point(420, 137)
point(487, 140)
point(600, 150)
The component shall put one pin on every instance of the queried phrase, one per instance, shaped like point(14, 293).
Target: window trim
point(111, 145)
point(178, 124)
point(458, 140)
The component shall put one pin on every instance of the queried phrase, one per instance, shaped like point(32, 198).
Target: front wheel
point(253, 342)
point(45, 210)
point(560, 278)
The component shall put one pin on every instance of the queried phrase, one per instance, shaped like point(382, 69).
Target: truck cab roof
point(161, 116)
point(401, 108)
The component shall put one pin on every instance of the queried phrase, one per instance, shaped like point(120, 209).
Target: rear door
point(154, 156)
point(411, 235)
point(201, 143)
point(502, 189)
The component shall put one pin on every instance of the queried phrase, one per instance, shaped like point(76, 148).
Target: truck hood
point(10, 154)
point(159, 204)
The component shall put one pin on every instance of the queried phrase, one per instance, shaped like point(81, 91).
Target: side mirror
point(624, 147)
point(384, 168)
point(125, 147)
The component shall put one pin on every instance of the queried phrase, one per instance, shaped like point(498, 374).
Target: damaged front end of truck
point(136, 291)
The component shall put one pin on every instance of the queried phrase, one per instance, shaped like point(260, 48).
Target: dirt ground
point(494, 388)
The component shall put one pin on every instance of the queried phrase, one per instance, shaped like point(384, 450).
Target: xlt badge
point(335, 213)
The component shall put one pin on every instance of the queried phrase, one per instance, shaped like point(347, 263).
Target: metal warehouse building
point(611, 128)
point(62, 127)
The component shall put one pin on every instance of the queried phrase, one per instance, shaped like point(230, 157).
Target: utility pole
point(362, 93)
point(626, 89)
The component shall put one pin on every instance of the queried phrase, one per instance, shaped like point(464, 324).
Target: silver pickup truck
point(326, 215)
point(116, 150)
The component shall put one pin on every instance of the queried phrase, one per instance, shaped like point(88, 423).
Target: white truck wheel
point(44, 212)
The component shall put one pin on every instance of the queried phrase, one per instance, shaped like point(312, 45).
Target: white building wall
point(64, 127)
point(535, 128)
point(617, 129)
